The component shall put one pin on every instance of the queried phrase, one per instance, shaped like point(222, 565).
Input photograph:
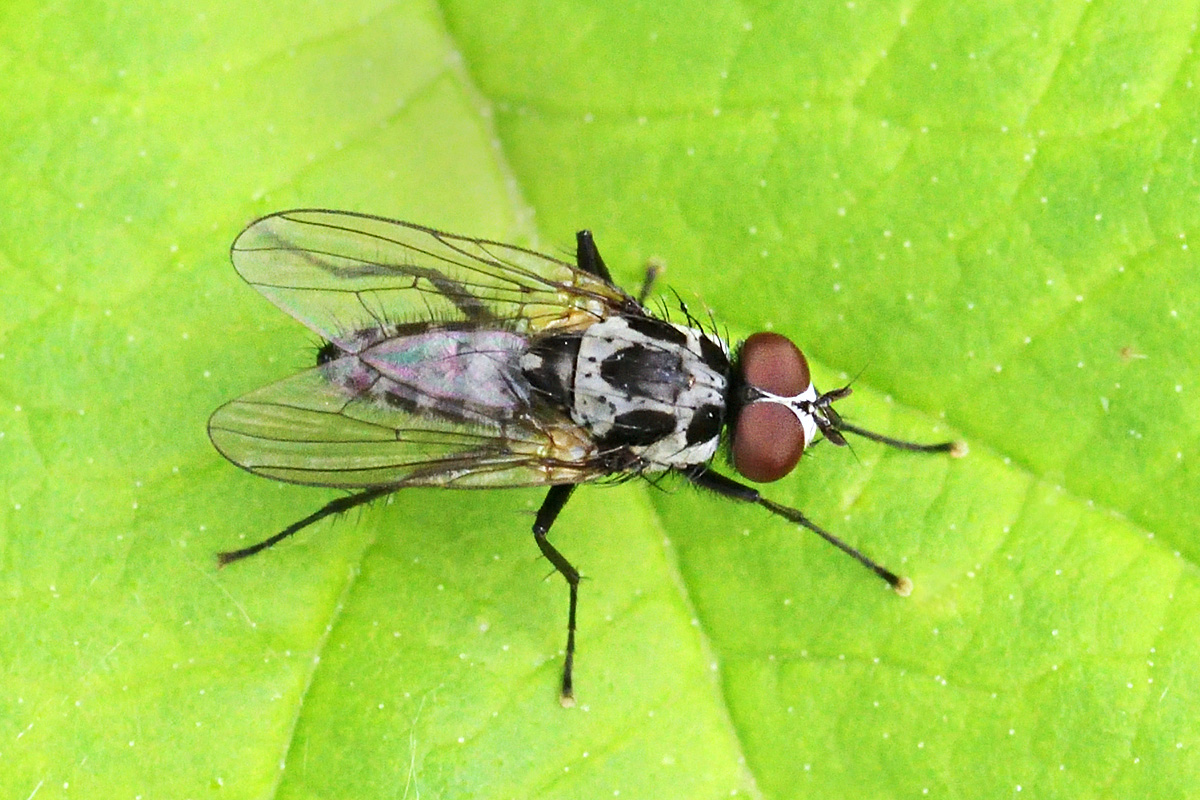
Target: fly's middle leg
point(587, 258)
point(556, 498)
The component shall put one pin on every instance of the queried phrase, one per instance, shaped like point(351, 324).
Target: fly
point(465, 363)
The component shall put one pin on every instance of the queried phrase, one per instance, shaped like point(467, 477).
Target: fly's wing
point(341, 273)
point(308, 429)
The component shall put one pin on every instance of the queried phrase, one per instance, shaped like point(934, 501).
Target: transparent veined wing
point(308, 429)
point(342, 273)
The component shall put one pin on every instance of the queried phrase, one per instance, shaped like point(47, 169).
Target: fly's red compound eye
point(768, 439)
point(772, 363)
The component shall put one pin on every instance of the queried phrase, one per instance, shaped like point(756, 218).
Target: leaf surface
point(977, 213)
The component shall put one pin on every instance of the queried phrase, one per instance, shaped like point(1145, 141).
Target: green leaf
point(978, 213)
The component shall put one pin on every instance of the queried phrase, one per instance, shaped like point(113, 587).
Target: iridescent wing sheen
point(342, 273)
point(311, 429)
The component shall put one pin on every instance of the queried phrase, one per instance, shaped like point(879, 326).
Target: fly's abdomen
point(549, 366)
point(469, 376)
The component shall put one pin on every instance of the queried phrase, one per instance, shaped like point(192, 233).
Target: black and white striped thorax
point(641, 386)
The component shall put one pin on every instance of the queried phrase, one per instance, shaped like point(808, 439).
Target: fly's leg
point(333, 507)
point(587, 257)
point(554, 502)
point(727, 487)
point(653, 269)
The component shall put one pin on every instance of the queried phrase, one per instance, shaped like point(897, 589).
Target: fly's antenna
point(857, 375)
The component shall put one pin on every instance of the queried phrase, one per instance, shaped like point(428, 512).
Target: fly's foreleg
point(554, 502)
point(727, 487)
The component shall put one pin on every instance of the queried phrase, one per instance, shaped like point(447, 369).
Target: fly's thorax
point(650, 388)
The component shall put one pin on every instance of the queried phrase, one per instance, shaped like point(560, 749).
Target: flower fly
point(465, 363)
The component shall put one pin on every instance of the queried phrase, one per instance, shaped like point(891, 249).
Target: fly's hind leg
point(338, 506)
point(554, 502)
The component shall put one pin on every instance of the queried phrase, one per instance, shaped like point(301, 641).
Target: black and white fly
point(465, 363)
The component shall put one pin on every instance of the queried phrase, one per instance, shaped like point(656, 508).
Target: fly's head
point(779, 411)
